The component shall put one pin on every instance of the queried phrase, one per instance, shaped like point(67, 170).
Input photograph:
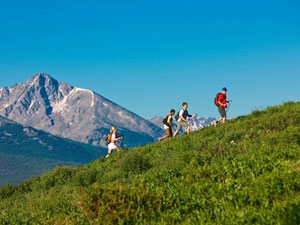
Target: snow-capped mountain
point(199, 122)
point(78, 114)
point(196, 123)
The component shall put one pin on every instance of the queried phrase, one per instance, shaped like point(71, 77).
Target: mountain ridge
point(71, 112)
point(27, 152)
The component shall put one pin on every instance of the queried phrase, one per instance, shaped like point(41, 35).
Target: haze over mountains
point(27, 152)
point(70, 112)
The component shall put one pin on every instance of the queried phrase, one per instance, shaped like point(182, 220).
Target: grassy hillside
point(25, 152)
point(246, 172)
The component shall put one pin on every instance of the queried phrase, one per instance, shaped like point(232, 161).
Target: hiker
point(222, 105)
point(182, 119)
point(168, 125)
point(111, 141)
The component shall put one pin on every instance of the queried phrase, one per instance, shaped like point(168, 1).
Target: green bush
point(119, 204)
point(135, 163)
point(6, 191)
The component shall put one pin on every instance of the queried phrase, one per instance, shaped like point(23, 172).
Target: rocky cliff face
point(78, 114)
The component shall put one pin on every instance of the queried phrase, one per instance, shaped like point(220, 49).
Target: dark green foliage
point(135, 163)
point(244, 172)
point(118, 204)
point(292, 214)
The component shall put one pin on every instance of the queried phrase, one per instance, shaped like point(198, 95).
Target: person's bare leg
point(162, 138)
point(109, 152)
point(175, 134)
point(177, 130)
point(219, 120)
point(166, 136)
point(117, 149)
point(224, 120)
point(188, 130)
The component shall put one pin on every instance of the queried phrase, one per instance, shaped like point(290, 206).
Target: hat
point(224, 89)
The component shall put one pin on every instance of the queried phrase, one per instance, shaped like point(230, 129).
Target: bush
point(6, 191)
point(119, 204)
point(135, 163)
point(59, 176)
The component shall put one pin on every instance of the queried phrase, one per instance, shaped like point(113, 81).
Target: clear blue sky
point(149, 56)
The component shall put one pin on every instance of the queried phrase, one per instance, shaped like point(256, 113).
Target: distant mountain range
point(74, 113)
point(27, 152)
point(196, 123)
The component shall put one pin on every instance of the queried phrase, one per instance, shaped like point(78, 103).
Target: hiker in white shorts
point(168, 125)
point(111, 140)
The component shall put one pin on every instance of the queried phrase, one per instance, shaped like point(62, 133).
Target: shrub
point(135, 163)
point(119, 204)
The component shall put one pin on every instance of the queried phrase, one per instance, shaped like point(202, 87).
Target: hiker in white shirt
point(182, 119)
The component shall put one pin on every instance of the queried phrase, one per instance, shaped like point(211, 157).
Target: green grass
point(244, 172)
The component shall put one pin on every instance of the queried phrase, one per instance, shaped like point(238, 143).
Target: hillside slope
point(27, 152)
point(244, 172)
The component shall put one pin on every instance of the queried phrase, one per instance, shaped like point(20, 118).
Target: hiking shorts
point(112, 146)
point(222, 112)
point(169, 132)
point(166, 127)
point(181, 124)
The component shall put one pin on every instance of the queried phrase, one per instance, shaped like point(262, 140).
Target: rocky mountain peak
point(75, 113)
point(40, 77)
point(41, 80)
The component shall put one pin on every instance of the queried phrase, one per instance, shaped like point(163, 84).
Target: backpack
point(217, 99)
point(177, 115)
point(108, 138)
point(165, 120)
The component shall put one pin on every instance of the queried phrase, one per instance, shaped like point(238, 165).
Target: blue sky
point(149, 56)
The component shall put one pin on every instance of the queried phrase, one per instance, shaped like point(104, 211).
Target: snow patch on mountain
point(200, 123)
point(89, 91)
point(60, 105)
point(4, 106)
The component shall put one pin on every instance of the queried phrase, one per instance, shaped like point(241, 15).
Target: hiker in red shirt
point(222, 105)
